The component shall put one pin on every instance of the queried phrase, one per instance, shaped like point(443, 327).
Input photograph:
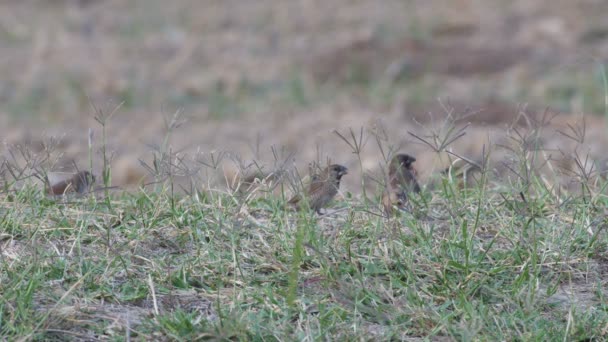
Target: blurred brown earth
point(250, 75)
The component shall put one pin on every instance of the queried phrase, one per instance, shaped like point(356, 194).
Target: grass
point(477, 263)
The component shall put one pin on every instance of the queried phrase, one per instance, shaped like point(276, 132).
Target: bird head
point(337, 171)
point(405, 160)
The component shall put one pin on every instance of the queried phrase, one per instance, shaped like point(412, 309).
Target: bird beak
point(344, 172)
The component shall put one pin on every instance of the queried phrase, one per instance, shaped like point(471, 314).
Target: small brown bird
point(323, 187)
point(79, 183)
point(401, 181)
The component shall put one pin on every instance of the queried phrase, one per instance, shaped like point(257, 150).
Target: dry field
point(251, 75)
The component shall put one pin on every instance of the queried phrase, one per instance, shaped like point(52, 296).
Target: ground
point(197, 94)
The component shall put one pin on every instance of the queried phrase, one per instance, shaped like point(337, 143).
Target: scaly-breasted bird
point(401, 181)
point(323, 187)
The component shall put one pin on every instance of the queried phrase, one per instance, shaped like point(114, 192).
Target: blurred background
point(250, 75)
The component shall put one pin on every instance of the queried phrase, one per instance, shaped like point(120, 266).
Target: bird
point(322, 189)
point(79, 183)
point(401, 181)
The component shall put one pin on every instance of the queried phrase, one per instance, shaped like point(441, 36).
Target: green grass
point(474, 264)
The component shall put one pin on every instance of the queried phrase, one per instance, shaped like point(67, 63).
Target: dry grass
point(244, 74)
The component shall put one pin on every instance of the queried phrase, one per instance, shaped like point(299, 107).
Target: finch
point(401, 181)
point(323, 187)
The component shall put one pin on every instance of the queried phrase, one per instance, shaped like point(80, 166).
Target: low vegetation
point(490, 259)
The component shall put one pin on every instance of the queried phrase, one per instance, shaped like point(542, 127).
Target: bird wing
point(60, 188)
point(295, 199)
point(315, 186)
